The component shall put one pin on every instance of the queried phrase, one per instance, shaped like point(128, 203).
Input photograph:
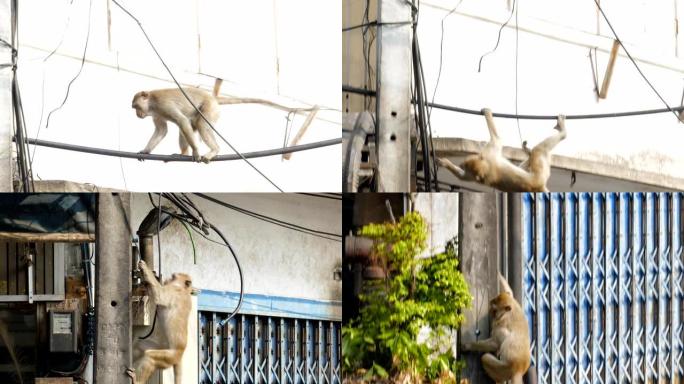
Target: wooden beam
point(48, 237)
point(609, 70)
point(112, 298)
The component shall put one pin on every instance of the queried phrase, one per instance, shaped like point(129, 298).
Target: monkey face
point(140, 104)
point(476, 166)
point(500, 306)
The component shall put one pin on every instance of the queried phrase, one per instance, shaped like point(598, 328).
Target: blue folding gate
point(602, 286)
point(264, 349)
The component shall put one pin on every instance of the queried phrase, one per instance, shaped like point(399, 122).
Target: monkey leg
point(498, 370)
point(155, 359)
point(211, 112)
point(494, 139)
point(183, 144)
point(186, 130)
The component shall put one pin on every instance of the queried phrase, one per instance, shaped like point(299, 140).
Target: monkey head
point(182, 281)
point(476, 167)
point(500, 307)
point(141, 104)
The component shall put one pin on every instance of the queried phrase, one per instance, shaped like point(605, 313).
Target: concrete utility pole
point(113, 272)
point(479, 251)
point(393, 84)
point(6, 75)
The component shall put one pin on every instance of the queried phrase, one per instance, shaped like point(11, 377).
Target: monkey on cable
point(171, 105)
point(490, 168)
point(165, 346)
point(507, 351)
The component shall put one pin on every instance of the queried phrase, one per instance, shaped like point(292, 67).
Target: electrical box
point(63, 331)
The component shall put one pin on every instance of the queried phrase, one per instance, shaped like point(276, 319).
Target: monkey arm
point(487, 345)
point(155, 289)
point(160, 129)
point(453, 168)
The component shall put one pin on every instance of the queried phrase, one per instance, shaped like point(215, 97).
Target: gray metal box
point(63, 331)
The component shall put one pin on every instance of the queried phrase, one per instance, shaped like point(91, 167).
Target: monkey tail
point(503, 285)
point(242, 100)
point(9, 344)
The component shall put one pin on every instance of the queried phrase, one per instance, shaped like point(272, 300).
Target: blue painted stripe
point(264, 305)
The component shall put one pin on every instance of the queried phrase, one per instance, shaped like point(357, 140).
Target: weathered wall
point(440, 210)
point(268, 49)
point(281, 266)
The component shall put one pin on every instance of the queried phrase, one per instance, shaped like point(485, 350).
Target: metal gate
point(602, 286)
point(264, 349)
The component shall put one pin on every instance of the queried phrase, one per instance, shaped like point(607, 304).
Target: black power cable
point(167, 158)
point(191, 215)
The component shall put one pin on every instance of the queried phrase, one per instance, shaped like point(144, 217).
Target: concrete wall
point(279, 265)
point(440, 210)
point(273, 49)
point(554, 74)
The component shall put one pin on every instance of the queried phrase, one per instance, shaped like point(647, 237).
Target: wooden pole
point(609, 70)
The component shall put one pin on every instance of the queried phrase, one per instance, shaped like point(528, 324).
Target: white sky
point(272, 49)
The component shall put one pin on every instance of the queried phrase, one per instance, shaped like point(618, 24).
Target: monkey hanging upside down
point(507, 350)
point(489, 167)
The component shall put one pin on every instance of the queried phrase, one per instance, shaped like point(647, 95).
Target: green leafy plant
point(417, 293)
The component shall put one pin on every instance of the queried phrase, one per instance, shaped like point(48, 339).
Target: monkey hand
point(443, 162)
point(467, 346)
point(142, 265)
point(131, 373)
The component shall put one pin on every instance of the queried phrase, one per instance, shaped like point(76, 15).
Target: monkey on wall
point(490, 168)
point(165, 346)
point(507, 350)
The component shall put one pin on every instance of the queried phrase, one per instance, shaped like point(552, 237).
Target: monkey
point(165, 346)
point(490, 168)
point(171, 105)
point(507, 351)
point(9, 344)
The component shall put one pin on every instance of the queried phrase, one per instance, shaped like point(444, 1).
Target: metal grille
point(39, 277)
point(262, 349)
point(602, 286)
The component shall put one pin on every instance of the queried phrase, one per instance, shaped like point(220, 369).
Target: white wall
point(275, 261)
point(273, 49)
point(555, 75)
point(440, 211)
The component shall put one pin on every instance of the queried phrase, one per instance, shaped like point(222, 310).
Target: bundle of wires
point(189, 214)
point(23, 161)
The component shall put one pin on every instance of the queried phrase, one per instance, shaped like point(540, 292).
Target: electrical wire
point(350, 89)
point(670, 109)
point(85, 50)
point(281, 223)
point(168, 158)
point(191, 102)
point(498, 39)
